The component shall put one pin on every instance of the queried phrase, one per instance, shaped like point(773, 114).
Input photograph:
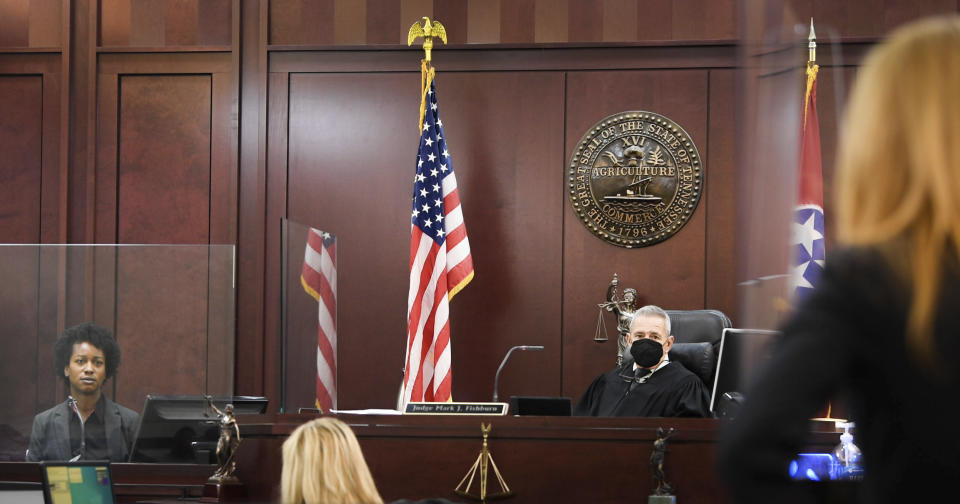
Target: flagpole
point(427, 31)
point(812, 69)
point(811, 73)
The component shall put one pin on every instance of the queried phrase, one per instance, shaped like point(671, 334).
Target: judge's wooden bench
point(542, 459)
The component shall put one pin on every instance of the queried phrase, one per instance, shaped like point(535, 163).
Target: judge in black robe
point(649, 385)
point(671, 391)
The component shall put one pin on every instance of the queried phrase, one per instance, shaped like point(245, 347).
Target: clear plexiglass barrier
point(308, 354)
point(169, 307)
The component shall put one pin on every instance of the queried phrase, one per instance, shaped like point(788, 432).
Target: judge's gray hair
point(653, 311)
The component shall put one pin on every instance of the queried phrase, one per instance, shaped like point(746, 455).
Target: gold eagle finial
point(428, 31)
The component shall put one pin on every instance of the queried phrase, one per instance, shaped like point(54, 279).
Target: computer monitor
point(742, 353)
point(182, 429)
point(69, 482)
point(540, 406)
point(21, 492)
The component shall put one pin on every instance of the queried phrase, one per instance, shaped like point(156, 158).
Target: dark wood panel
point(512, 201)
point(147, 22)
point(317, 22)
point(46, 21)
point(163, 353)
point(655, 19)
point(720, 188)
point(299, 393)
point(159, 23)
point(21, 111)
point(520, 59)
point(215, 22)
point(163, 197)
point(453, 15)
point(164, 159)
point(863, 18)
point(82, 109)
point(383, 22)
point(285, 21)
point(114, 22)
point(182, 22)
point(517, 21)
point(53, 200)
point(349, 22)
point(585, 21)
point(483, 21)
point(705, 20)
point(297, 22)
point(507, 210)
point(551, 21)
point(15, 24)
point(897, 12)
point(19, 268)
point(251, 210)
point(620, 20)
point(166, 174)
point(670, 274)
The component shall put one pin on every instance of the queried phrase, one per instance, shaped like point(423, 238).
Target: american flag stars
point(432, 166)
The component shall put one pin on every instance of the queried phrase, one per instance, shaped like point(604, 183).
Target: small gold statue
point(657, 459)
point(622, 308)
point(227, 445)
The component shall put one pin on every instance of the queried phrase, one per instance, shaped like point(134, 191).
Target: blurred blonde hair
point(322, 463)
point(898, 168)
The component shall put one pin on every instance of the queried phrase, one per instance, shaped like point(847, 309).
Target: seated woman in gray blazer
point(88, 425)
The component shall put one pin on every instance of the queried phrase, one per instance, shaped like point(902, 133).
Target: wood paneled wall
point(189, 121)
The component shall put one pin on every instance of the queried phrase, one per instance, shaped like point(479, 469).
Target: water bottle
point(847, 455)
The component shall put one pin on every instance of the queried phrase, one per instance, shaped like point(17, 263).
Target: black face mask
point(646, 352)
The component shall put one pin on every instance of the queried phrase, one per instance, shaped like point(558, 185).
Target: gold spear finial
point(428, 31)
point(812, 44)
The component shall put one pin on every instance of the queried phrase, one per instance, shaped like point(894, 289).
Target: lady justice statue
point(228, 443)
point(622, 308)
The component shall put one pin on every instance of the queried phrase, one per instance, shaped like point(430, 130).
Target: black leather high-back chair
point(697, 335)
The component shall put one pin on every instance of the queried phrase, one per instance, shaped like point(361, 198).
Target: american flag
point(319, 279)
point(808, 230)
point(440, 264)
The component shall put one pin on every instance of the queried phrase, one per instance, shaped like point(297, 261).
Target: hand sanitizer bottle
point(847, 456)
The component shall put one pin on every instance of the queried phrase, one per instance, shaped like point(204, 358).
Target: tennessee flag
point(808, 232)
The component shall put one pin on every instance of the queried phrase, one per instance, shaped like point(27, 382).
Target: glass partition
point(170, 308)
point(308, 318)
point(774, 49)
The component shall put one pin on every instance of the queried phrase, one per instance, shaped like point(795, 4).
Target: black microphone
point(496, 380)
point(83, 436)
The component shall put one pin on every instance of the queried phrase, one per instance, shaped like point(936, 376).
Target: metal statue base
point(662, 499)
point(225, 490)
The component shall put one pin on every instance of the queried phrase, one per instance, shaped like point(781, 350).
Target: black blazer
point(50, 437)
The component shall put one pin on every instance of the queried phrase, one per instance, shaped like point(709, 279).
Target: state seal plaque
point(635, 178)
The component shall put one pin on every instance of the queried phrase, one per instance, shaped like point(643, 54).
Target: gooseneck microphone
point(496, 380)
point(83, 436)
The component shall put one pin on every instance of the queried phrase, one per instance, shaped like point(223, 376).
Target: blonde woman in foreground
point(322, 463)
point(882, 327)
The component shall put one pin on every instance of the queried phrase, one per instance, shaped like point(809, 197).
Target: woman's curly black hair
point(87, 332)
